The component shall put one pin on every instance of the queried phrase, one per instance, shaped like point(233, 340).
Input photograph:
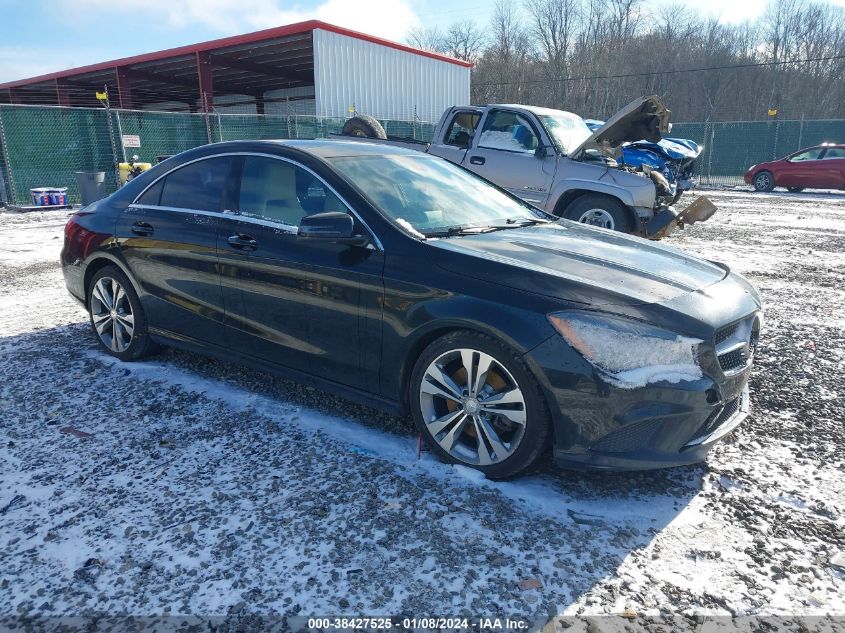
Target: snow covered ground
point(185, 485)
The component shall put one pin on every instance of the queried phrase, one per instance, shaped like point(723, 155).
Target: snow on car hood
point(645, 118)
point(584, 264)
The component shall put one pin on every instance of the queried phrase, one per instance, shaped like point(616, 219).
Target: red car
point(819, 167)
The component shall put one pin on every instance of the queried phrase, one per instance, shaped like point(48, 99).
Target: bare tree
point(593, 56)
point(427, 38)
point(554, 26)
point(464, 40)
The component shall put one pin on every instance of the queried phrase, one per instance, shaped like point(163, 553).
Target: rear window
point(197, 186)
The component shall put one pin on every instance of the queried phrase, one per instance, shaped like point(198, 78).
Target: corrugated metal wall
point(385, 82)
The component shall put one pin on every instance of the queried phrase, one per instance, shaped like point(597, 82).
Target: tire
point(795, 189)
point(599, 210)
point(363, 125)
point(516, 431)
point(764, 181)
point(122, 331)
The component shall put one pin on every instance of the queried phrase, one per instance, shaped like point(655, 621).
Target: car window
point(508, 131)
point(810, 154)
point(279, 191)
point(198, 185)
point(835, 152)
point(462, 128)
point(152, 196)
point(422, 194)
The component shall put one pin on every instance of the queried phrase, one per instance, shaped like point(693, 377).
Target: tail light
point(79, 241)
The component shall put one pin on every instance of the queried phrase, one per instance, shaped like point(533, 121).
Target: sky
point(40, 36)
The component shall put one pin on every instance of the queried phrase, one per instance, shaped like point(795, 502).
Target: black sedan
point(400, 280)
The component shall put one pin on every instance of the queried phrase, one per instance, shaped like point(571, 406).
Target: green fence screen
point(43, 146)
point(731, 147)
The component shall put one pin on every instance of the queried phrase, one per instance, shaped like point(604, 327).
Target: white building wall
point(382, 81)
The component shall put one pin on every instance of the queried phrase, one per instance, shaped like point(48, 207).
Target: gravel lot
point(185, 485)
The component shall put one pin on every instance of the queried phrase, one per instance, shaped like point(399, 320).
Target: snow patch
point(410, 228)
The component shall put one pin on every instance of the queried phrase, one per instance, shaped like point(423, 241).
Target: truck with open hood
point(551, 159)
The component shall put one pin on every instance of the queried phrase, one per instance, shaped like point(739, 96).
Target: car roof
point(331, 148)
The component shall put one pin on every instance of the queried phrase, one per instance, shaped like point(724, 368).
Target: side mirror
point(544, 151)
point(331, 226)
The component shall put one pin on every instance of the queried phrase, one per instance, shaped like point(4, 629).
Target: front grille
point(735, 343)
point(629, 438)
point(723, 334)
point(719, 417)
point(732, 360)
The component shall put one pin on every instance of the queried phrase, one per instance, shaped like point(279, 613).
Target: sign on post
point(131, 140)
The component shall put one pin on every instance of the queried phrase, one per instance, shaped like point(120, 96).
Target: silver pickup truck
point(551, 159)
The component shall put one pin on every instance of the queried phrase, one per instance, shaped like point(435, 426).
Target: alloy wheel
point(598, 217)
point(111, 313)
point(472, 407)
point(762, 181)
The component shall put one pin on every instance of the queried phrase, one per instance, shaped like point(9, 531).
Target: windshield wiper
point(517, 222)
point(459, 230)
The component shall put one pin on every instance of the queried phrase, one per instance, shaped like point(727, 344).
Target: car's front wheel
point(477, 404)
point(764, 181)
point(599, 210)
point(117, 317)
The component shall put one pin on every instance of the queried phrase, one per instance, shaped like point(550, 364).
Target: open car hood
point(644, 118)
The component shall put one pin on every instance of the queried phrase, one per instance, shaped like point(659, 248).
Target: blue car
point(673, 157)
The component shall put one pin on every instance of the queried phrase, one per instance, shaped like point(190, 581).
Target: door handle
point(242, 242)
point(142, 228)
point(477, 160)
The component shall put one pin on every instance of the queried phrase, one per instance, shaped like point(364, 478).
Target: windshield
point(567, 131)
point(429, 194)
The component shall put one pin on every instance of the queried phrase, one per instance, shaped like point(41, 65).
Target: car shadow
point(532, 546)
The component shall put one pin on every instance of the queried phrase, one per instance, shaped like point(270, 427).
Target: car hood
point(582, 264)
point(644, 118)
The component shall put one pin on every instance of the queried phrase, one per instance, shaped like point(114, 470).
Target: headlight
point(631, 353)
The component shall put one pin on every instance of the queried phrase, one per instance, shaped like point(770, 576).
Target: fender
point(112, 256)
point(644, 197)
point(397, 382)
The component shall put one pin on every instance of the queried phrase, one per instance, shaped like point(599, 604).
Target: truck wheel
point(764, 181)
point(598, 210)
point(363, 125)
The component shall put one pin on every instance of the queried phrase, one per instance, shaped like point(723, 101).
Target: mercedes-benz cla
point(403, 281)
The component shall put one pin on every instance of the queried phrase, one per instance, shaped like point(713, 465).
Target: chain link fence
point(731, 147)
point(43, 146)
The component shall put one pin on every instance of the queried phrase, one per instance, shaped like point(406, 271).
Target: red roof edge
point(236, 40)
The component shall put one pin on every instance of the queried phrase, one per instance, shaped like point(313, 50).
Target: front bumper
point(600, 426)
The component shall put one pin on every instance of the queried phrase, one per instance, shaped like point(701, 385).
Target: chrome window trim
point(136, 205)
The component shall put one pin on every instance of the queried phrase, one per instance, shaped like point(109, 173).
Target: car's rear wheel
point(598, 210)
point(764, 181)
point(117, 317)
point(795, 189)
point(477, 404)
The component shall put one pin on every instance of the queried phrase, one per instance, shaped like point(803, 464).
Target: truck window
point(462, 129)
point(508, 131)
